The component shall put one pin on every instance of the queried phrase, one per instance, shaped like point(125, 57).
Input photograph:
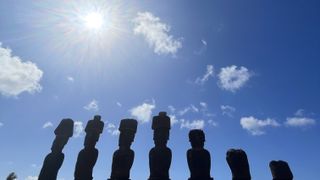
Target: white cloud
point(184, 111)
point(143, 112)
point(71, 79)
point(78, 129)
point(171, 109)
point(93, 105)
point(173, 120)
point(112, 129)
point(209, 73)
point(204, 42)
point(212, 123)
point(232, 78)
point(203, 106)
point(187, 109)
point(299, 112)
point(300, 122)
point(227, 110)
point(155, 33)
point(195, 124)
point(119, 104)
point(31, 178)
point(47, 125)
point(1, 124)
point(203, 47)
point(256, 126)
point(194, 108)
point(17, 76)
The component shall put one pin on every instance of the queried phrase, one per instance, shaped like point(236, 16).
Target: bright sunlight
point(94, 20)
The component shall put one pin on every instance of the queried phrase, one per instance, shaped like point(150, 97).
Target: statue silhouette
point(87, 157)
point(12, 176)
point(54, 160)
point(280, 170)
point(124, 156)
point(160, 156)
point(199, 160)
point(238, 163)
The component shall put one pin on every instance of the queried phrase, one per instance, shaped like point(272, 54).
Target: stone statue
point(199, 160)
point(280, 170)
point(88, 156)
point(238, 163)
point(54, 160)
point(160, 156)
point(124, 156)
point(12, 176)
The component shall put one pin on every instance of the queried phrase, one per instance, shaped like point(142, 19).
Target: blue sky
point(246, 72)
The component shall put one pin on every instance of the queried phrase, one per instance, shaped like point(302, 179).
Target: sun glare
point(94, 20)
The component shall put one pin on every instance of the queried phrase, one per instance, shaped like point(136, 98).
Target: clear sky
point(246, 72)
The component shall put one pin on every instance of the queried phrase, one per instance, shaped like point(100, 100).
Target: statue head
point(197, 138)
point(161, 126)
point(238, 162)
point(93, 130)
point(63, 132)
point(128, 129)
point(280, 170)
point(65, 128)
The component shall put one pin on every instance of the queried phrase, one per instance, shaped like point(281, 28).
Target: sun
point(94, 20)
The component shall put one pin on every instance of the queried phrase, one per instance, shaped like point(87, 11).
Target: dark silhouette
point(54, 160)
point(199, 160)
point(160, 156)
point(88, 156)
point(280, 170)
point(124, 156)
point(238, 163)
point(12, 176)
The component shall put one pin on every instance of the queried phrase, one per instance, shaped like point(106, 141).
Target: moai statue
point(88, 156)
point(199, 160)
point(160, 156)
point(12, 176)
point(238, 163)
point(124, 156)
point(54, 160)
point(280, 170)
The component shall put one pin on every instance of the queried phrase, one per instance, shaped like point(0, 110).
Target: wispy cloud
point(47, 125)
point(299, 112)
point(204, 106)
point(256, 126)
point(92, 106)
point(17, 76)
point(171, 108)
point(209, 73)
point(300, 121)
point(232, 78)
point(34, 166)
point(78, 129)
point(173, 120)
point(31, 178)
point(203, 47)
point(112, 129)
point(156, 33)
point(1, 124)
point(190, 108)
point(227, 110)
point(119, 104)
point(143, 112)
point(70, 78)
point(194, 124)
point(212, 123)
